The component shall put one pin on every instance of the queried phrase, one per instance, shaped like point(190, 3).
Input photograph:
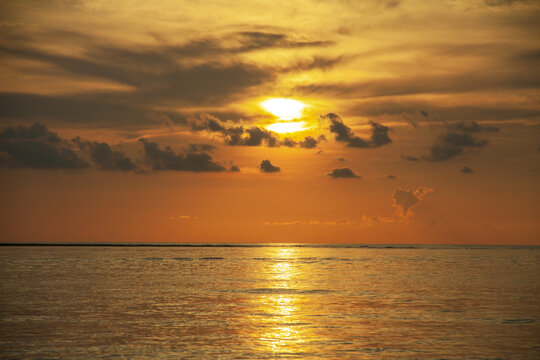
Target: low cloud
point(343, 173)
point(373, 220)
point(201, 148)
point(404, 200)
point(471, 127)
point(267, 167)
point(181, 217)
point(309, 142)
point(36, 147)
point(343, 133)
point(467, 170)
point(238, 135)
point(166, 159)
point(344, 221)
point(235, 135)
point(104, 157)
point(451, 145)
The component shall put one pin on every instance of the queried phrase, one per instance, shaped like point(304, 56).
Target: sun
point(284, 127)
point(284, 109)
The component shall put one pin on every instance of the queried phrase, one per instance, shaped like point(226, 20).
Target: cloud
point(156, 75)
point(344, 221)
point(466, 170)
point(391, 177)
point(238, 135)
point(410, 158)
point(343, 133)
point(167, 159)
point(181, 217)
point(288, 142)
point(35, 147)
point(316, 62)
point(267, 167)
point(103, 156)
point(471, 126)
point(494, 3)
point(404, 200)
point(372, 220)
point(203, 72)
point(234, 135)
point(256, 136)
point(384, 107)
point(449, 83)
point(107, 109)
point(234, 168)
point(413, 118)
point(452, 144)
point(309, 142)
point(201, 147)
point(340, 159)
point(343, 173)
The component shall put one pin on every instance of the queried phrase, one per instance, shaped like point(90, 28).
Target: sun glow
point(284, 109)
point(283, 127)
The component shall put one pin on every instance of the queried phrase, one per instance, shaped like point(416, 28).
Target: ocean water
point(257, 302)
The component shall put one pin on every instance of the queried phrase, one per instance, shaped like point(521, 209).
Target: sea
point(268, 301)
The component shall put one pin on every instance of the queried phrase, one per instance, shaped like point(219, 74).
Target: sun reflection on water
point(284, 331)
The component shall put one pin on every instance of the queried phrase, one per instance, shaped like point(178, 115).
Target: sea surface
point(269, 301)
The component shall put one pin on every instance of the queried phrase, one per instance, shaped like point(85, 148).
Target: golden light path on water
point(284, 331)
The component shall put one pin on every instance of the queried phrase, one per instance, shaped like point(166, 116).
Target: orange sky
point(142, 121)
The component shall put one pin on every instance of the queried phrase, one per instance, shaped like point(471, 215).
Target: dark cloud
point(267, 167)
point(167, 159)
point(413, 118)
point(105, 109)
point(340, 159)
point(471, 126)
point(317, 62)
point(238, 135)
point(450, 145)
point(234, 168)
point(201, 148)
point(256, 136)
point(343, 133)
point(343, 173)
point(156, 75)
point(480, 80)
point(494, 3)
point(234, 135)
point(467, 170)
point(309, 142)
point(391, 177)
point(35, 147)
point(404, 200)
point(256, 40)
point(491, 112)
point(288, 142)
point(104, 157)
point(390, 3)
point(160, 74)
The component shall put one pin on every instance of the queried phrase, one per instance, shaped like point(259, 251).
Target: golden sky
point(168, 121)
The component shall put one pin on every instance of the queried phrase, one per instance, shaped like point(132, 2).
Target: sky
point(384, 121)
